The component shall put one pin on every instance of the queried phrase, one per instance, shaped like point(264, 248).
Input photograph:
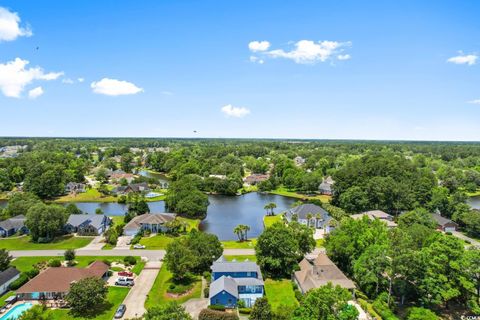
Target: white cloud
point(237, 112)
point(10, 28)
point(14, 77)
point(344, 57)
point(469, 59)
point(476, 101)
point(256, 46)
point(256, 60)
point(67, 81)
point(35, 93)
point(80, 80)
point(113, 87)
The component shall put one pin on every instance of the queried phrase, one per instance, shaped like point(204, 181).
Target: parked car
point(124, 281)
point(138, 246)
point(120, 311)
point(125, 274)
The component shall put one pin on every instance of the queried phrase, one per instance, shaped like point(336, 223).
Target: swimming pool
point(16, 311)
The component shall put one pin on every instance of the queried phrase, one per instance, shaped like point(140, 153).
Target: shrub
point(369, 308)
point(54, 263)
point(32, 273)
point(107, 262)
point(179, 288)
point(217, 307)
point(19, 282)
point(241, 304)
point(129, 260)
point(416, 313)
point(298, 295)
point(206, 292)
point(381, 307)
point(69, 254)
point(245, 310)
point(207, 314)
point(448, 233)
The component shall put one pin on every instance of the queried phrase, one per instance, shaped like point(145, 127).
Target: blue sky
point(313, 69)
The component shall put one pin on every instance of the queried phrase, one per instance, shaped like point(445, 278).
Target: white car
point(124, 281)
point(138, 246)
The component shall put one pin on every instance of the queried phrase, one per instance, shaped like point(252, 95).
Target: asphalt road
point(151, 255)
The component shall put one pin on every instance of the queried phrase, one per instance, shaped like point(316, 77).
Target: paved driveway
point(464, 237)
point(194, 306)
point(135, 300)
point(122, 243)
point(96, 244)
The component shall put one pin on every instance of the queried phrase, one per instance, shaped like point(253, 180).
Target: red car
point(125, 274)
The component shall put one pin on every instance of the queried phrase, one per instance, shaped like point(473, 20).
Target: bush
point(206, 292)
point(369, 308)
point(381, 307)
point(107, 262)
point(245, 310)
point(179, 288)
point(217, 307)
point(19, 282)
point(130, 261)
point(421, 314)
point(136, 239)
point(69, 254)
point(207, 314)
point(448, 233)
point(298, 295)
point(32, 273)
point(54, 263)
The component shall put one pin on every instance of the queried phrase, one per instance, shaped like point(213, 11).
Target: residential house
point(310, 214)
point(233, 281)
point(255, 178)
point(13, 225)
point(87, 224)
point(152, 222)
point(6, 277)
point(54, 283)
point(443, 223)
point(326, 186)
point(319, 272)
point(75, 187)
point(133, 187)
point(376, 214)
point(299, 161)
point(218, 176)
point(118, 175)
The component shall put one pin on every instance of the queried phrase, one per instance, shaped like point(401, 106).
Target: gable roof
point(441, 220)
point(149, 218)
point(8, 275)
point(16, 222)
point(221, 265)
point(96, 220)
point(376, 214)
point(223, 283)
point(59, 279)
point(303, 210)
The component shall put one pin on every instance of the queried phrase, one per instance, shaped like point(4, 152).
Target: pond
point(474, 202)
point(156, 175)
point(224, 212)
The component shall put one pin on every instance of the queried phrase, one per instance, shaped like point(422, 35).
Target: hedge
point(369, 308)
point(207, 314)
point(19, 282)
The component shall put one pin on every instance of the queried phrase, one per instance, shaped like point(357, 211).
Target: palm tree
point(267, 207)
point(239, 232)
point(318, 217)
point(246, 229)
point(273, 205)
point(309, 216)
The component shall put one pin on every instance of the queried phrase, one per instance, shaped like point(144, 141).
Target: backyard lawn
point(280, 292)
point(232, 244)
point(115, 297)
point(269, 220)
point(63, 242)
point(91, 195)
point(5, 296)
point(241, 258)
point(282, 191)
point(191, 223)
point(158, 293)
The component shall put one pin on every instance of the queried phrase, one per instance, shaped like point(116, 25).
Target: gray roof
point(7, 275)
point(149, 218)
point(223, 283)
point(95, 220)
point(303, 210)
point(221, 265)
point(16, 222)
point(248, 282)
point(441, 220)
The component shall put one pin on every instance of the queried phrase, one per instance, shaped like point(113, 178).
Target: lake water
point(159, 176)
point(224, 212)
point(474, 202)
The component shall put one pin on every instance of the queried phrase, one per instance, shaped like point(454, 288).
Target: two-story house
point(233, 281)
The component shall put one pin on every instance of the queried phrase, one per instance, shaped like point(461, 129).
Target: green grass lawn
point(232, 244)
point(280, 292)
point(474, 194)
point(115, 297)
point(269, 220)
point(91, 195)
point(192, 223)
point(5, 296)
point(26, 263)
point(159, 241)
point(319, 243)
point(158, 294)
point(108, 246)
point(241, 257)
point(282, 191)
point(63, 242)
point(117, 220)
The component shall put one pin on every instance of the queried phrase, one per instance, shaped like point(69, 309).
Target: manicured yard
point(159, 241)
point(91, 195)
point(5, 296)
point(115, 297)
point(63, 242)
point(192, 223)
point(280, 292)
point(282, 191)
point(117, 220)
point(232, 244)
point(269, 220)
point(241, 257)
point(158, 294)
point(27, 263)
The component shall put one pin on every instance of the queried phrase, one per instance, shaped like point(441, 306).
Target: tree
point(184, 197)
point(86, 295)
point(19, 204)
point(304, 237)
point(206, 248)
point(126, 162)
point(471, 267)
point(45, 222)
point(5, 183)
point(170, 311)
point(45, 180)
point(69, 254)
point(179, 259)
point(369, 269)
point(417, 313)
point(71, 208)
point(37, 312)
point(98, 211)
point(5, 259)
point(261, 310)
point(245, 231)
point(417, 216)
point(239, 232)
point(101, 175)
point(326, 302)
point(277, 250)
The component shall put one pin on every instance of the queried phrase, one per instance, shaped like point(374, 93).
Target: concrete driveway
point(194, 306)
point(122, 243)
point(460, 235)
point(135, 300)
point(96, 244)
